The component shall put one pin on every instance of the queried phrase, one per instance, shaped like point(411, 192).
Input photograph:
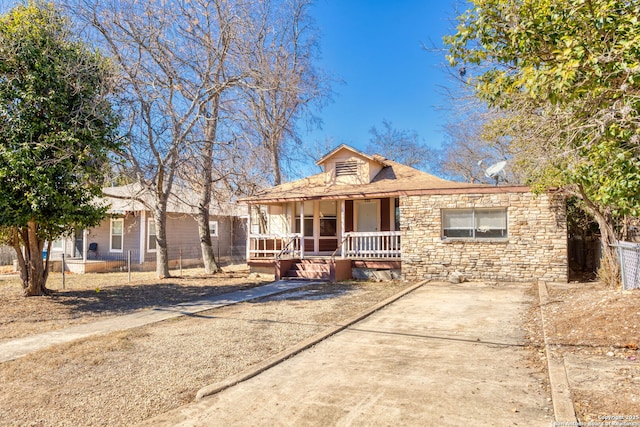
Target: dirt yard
point(125, 377)
point(597, 331)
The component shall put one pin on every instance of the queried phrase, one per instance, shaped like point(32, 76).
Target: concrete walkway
point(13, 349)
point(442, 355)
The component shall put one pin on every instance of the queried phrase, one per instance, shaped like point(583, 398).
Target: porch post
point(85, 245)
point(143, 227)
point(302, 229)
point(342, 222)
point(248, 250)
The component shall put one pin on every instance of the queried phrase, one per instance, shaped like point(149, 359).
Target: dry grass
point(126, 377)
point(595, 328)
point(91, 297)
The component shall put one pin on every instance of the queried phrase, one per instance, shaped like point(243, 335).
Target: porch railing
point(363, 245)
point(275, 245)
point(378, 244)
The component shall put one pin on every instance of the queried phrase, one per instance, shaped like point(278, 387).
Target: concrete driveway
point(443, 355)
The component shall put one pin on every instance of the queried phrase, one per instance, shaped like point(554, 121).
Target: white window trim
point(111, 248)
point(151, 223)
point(473, 219)
point(213, 226)
point(58, 247)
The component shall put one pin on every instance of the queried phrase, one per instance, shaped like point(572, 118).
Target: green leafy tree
point(56, 128)
point(568, 73)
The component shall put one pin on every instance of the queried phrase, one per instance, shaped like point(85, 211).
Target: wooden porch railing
point(275, 245)
point(361, 245)
point(377, 245)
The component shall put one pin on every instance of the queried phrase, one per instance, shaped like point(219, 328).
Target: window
point(57, 245)
point(308, 218)
point(474, 223)
point(151, 236)
point(346, 168)
point(116, 237)
point(328, 223)
point(213, 228)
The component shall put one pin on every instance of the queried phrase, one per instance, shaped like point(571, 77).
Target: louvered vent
point(346, 168)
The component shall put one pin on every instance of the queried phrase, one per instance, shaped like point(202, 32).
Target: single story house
point(129, 232)
point(368, 214)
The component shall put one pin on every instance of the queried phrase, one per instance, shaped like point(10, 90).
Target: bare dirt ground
point(597, 331)
point(126, 377)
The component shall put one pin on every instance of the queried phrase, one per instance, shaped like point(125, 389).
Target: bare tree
point(161, 101)
point(283, 84)
point(403, 146)
point(470, 147)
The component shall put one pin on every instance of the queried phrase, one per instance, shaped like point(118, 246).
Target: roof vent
point(346, 168)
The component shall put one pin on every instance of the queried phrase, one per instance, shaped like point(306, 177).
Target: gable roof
point(341, 147)
point(133, 197)
point(394, 179)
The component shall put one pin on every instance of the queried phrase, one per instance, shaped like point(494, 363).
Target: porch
point(313, 238)
point(364, 253)
point(380, 245)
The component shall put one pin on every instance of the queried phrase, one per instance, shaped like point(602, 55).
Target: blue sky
point(376, 48)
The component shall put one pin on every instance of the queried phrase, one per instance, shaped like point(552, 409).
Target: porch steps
point(316, 269)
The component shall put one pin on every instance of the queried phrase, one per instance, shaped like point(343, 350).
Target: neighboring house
point(129, 231)
point(369, 214)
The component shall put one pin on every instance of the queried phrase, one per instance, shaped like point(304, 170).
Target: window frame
point(475, 233)
point(57, 245)
point(309, 212)
point(213, 228)
point(151, 223)
point(111, 235)
point(328, 218)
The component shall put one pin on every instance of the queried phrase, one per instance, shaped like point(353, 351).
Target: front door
point(367, 215)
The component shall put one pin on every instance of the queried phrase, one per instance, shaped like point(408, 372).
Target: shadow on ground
point(128, 298)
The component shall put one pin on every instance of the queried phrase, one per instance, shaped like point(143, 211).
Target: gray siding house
point(129, 232)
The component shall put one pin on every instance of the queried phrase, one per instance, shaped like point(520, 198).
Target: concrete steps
point(319, 269)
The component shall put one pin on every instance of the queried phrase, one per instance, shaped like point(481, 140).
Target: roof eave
point(381, 194)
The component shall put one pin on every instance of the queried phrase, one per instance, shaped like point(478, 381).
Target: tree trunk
point(162, 256)
point(275, 162)
point(33, 269)
point(609, 271)
point(211, 265)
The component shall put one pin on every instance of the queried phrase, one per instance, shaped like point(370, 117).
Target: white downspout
point(302, 230)
point(143, 226)
point(85, 245)
point(248, 250)
point(342, 222)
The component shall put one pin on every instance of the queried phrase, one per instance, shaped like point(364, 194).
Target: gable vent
point(346, 168)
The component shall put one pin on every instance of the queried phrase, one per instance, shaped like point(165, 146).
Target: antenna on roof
point(493, 171)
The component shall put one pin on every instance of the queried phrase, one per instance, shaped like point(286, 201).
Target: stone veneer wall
point(535, 249)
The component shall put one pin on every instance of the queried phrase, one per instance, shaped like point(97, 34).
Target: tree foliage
point(568, 73)
point(56, 128)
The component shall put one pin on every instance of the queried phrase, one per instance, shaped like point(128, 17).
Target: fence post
point(63, 277)
point(129, 265)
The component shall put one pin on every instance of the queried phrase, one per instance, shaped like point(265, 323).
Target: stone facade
point(535, 248)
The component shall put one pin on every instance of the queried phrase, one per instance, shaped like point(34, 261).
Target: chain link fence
point(130, 260)
point(629, 257)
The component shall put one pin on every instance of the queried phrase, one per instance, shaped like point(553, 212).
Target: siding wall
point(102, 232)
point(535, 249)
point(182, 232)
